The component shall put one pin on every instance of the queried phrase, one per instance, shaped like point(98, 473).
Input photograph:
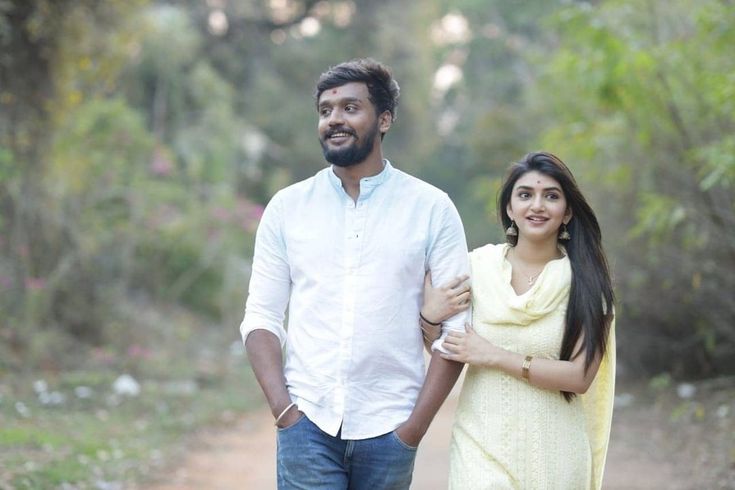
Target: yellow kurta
point(507, 433)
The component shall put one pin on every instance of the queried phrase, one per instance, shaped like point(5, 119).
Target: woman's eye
point(524, 195)
point(553, 196)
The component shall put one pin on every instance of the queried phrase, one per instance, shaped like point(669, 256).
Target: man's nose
point(335, 117)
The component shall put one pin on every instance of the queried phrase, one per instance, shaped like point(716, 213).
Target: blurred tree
point(643, 103)
point(36, 91)
point(140, 140)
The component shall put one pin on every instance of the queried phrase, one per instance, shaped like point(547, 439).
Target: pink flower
point(138, 352)
point(249, 214)
point(256, 211)
point(161, 165)
point(35, 283)
point(220, 213)
point(6, 282)
point(103, 356)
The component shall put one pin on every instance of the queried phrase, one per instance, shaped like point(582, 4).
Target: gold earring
point(564, 235)
point(511, 231)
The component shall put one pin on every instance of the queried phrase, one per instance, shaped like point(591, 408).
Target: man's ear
point(385, 120)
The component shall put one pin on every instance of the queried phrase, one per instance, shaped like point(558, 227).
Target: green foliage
point(138, 146)
point(145, 142)
point(660, 382)
point(113, 438)
point(7, 168)
point(135, 192)
point(102, 142)
point(718, 159)
point(637, 100)
point(33, 437)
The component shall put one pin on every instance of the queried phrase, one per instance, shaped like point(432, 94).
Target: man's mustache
point(334, 131)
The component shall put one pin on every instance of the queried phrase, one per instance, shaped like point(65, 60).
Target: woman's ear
point(509, 212)
point(567, 216)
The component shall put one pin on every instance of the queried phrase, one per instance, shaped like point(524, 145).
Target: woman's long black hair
point(591, 299)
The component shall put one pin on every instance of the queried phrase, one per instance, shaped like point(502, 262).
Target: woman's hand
point(469, 347)
point(445, 301)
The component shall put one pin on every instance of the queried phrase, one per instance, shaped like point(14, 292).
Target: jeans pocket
point(298, 421)
point(403, 444)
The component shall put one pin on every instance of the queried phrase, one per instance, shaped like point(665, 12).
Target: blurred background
point(141, 139)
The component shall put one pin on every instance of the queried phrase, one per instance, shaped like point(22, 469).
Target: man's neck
point(350, 176)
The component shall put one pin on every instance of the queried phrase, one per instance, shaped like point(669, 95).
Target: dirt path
point(245, 458)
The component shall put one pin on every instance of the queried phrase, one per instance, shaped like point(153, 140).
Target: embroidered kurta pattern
point(507, 433)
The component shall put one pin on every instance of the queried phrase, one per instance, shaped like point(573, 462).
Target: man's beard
point(351, 154)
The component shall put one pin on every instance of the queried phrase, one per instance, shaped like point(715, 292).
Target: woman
point(542, 333)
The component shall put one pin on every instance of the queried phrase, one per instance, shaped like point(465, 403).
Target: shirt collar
point(367, 184)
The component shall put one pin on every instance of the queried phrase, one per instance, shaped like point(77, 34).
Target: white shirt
point(352, 277)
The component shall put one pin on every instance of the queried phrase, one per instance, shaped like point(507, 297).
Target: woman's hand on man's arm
point(441, 303)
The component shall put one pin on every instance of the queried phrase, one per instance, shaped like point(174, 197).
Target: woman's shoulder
point(489, 250)
point(490, 255)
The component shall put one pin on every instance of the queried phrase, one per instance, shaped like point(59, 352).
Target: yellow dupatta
point(549, 293)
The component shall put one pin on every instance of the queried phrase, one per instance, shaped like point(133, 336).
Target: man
point(347, 251)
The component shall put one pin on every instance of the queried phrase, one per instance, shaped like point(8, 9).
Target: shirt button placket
point(348, 305)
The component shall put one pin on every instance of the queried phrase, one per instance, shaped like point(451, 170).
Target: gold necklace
point(531, 279)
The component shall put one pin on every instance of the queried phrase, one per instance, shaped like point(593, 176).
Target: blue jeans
point(310, 459)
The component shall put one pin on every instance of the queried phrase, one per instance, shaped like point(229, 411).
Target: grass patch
point(110, 438)
point(72, 429)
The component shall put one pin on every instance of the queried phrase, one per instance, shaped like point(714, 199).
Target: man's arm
point(266, 360)
point(447, 260)
point(262, 327)
point(440, 379)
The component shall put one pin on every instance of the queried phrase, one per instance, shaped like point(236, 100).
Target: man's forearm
point(440, 378)
point(266, 360)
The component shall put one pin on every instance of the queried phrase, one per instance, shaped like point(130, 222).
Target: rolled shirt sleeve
point(448, 258)
point(270, 280)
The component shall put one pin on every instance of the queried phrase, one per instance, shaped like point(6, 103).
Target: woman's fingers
point(455, 335)
point(448, 357)
point(456, 282)
point(450, 341)
point(450, 347)
point(462, 307)
point(464, 298)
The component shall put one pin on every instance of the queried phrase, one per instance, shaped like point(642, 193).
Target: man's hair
point(382, 88)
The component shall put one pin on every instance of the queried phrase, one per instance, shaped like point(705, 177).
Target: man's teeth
point(339, 135)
